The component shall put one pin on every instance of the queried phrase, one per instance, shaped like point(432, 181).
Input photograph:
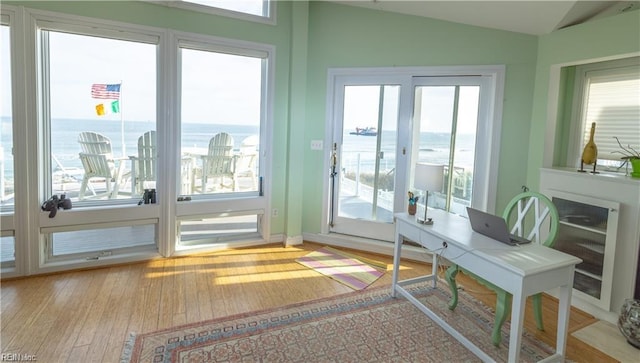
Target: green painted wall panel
point(600, 39)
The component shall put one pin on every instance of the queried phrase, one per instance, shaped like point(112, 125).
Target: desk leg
point(517, 321)
point(434, 268)
point(564, 309)
point(397, 248)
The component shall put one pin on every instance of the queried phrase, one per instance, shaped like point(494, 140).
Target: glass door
point(445, 124)
point(385, 122)
point(365, 172)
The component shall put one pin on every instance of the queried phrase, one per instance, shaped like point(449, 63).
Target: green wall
point(599, 39)
point(344, 36)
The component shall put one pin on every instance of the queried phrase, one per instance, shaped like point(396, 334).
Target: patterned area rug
point(345, 268)
point(361, 326)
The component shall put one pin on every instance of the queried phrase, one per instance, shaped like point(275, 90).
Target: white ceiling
point(530, 17)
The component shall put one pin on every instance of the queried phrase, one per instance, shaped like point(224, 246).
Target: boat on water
point(366, 131)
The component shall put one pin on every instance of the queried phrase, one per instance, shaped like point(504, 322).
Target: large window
point(7, 180)
point(221, 102)
point(100, 106)
point(255, 8)
point(6, 123)
point(122, 120)
point(609, 96)
point(222, 99)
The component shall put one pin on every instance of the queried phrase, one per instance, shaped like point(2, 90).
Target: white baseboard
point(369, 245)
point(293, 241)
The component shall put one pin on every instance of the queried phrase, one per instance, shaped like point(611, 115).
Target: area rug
point(361, 326)
point(342, 267)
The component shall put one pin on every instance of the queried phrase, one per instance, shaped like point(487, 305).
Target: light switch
point(316, 144)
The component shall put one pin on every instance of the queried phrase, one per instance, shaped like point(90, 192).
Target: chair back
point(248, 154)
point(219, 159)
point(147, 157)
point(95, 155)
point(94, 143)
point(533, 216)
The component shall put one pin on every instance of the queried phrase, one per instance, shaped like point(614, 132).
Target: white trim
point(294, 241)
point(369, 245)
point(48, 20)
point(270, 19)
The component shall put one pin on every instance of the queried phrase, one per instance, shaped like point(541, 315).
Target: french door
point(384, 125)
point(365, 150)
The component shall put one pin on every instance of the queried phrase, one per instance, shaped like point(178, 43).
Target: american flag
point(106, 91)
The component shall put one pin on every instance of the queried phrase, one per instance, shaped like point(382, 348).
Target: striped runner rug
point(342, 267)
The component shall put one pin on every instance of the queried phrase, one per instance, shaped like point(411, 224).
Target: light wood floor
point(85, 316)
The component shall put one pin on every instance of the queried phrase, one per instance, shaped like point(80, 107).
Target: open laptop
point(493, 226)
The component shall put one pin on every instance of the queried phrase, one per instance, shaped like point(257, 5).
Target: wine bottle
point(590, 152)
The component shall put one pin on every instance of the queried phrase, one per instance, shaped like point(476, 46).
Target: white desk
point(520, 270)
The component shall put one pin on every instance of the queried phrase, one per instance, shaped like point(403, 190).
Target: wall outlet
point(274, 212)
point(316, 144)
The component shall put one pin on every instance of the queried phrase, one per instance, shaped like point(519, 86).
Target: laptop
point(493, 226)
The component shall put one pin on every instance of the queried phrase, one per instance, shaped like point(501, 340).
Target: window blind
point(613, 103)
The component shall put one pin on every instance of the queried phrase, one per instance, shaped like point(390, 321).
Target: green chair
point(526, 213)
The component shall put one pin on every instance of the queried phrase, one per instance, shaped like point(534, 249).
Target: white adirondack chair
point(145, 164)
point(245, 165)
point(219, 161)
point(98, 162)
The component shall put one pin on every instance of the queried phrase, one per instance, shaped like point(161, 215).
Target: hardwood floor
point(85, 316)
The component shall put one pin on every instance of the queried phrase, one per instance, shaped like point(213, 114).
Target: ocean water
point(64, 136)
point(434, 147)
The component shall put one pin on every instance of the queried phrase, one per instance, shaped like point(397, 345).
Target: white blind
point(613, 103)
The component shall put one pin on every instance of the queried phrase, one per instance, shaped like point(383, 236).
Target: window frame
point(237, 202)
point(269, 19)
point(13, 218)
point(81, 28)
point(583, 72)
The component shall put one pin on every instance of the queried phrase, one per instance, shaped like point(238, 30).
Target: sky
point(219, 88)
point(362, 103)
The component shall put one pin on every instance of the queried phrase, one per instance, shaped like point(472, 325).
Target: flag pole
point(124, 151)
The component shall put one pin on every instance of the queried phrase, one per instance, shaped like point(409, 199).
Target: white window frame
point(80, 27)
point(269, 19)
point(239, 203)
point(578, 107)
point(14, 220)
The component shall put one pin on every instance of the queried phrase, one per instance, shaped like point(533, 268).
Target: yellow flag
point(100, 109)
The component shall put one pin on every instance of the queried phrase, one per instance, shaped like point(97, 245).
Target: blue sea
point(64, 135)
point(434, 147)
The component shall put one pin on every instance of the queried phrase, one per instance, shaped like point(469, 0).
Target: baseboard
point(369, 245)
point(293, 241)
